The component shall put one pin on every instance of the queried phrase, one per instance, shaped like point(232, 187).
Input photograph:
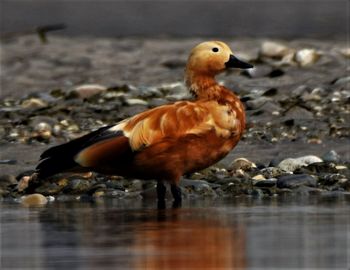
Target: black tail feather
point(60, 158)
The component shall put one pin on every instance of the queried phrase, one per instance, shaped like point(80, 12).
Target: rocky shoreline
point(298, 96)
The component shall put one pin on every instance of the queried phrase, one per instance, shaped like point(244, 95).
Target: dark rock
point(276, 73)
point(296, 180)
point(257, 192)
point(8, 161)
point(297, 112)
point(49, 189)
point(96, 187)
point(174, 63)
point(114, 184)
point(329, 179)
point(320, 167)
point(77, 186)
point(199, 187)
point(270, 92)
point(266, 183)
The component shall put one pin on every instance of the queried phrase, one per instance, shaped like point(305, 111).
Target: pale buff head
point(212, 57)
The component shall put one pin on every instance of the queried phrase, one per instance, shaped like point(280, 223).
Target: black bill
point(234, 62)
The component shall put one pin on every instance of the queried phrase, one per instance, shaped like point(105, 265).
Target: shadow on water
point(114, 234)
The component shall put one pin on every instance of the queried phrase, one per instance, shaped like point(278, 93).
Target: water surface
point(294, 233)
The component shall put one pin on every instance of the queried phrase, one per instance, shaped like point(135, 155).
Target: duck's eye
point(215, 49)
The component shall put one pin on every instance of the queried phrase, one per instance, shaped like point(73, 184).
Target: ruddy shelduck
point(168, 141)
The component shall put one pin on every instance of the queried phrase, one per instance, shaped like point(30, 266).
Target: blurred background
point(251, 18)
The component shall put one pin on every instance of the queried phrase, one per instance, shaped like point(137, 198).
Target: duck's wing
point(119, 142)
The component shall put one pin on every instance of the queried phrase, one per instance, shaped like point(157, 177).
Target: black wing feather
point(60, 158)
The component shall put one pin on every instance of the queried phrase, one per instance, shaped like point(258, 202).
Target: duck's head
point(212, 57)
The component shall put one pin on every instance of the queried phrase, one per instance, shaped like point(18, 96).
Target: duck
point(166, 142)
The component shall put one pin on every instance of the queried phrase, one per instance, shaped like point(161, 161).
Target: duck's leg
point(176, 191)
point(161, 190)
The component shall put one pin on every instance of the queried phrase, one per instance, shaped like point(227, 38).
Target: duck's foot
point(161, 191)
point(176, 191)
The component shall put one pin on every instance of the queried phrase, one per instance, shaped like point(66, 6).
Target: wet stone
point(49, 189)
point(34, 200)
point(320, 167)
point(331, 179)
point(77, 186)
point(296, 180)
point(266, 183)
point(198, 187)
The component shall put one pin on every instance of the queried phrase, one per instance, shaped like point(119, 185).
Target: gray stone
point(257, 103)
point(296, 180)
point(344, 80)
point(291, 164)
point(199, 187)
point(331, 156)
point(77, 186)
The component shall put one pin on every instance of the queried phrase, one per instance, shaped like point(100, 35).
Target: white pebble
point(306, 57)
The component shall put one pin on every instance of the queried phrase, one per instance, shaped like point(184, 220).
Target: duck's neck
point(203, 86)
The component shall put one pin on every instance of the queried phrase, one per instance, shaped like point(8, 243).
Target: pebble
point(35, 199)
point(345, 52)
point(136, 101)
point(291, 164)
point(198, 187)
point(296, 180)
point(274, 49)
point(241, 164)
point(23, 183)
point(306, 57)
point(258, 177)
point(341, 167)
point(88, 90)
point(331, 156)
point(272, 172)
point(342, 81)
point(34, 103)
point(77, 186)
point(43, 130)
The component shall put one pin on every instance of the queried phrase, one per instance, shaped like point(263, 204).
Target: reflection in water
point(186, 243)
point(143, 239)
point(130, 235)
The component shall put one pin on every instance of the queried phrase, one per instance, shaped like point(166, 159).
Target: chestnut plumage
point(167, 141)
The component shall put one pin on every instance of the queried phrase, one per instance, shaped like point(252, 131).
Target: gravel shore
point(297, 102)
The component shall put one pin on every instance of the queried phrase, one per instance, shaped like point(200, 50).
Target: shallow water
point(302, 233)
